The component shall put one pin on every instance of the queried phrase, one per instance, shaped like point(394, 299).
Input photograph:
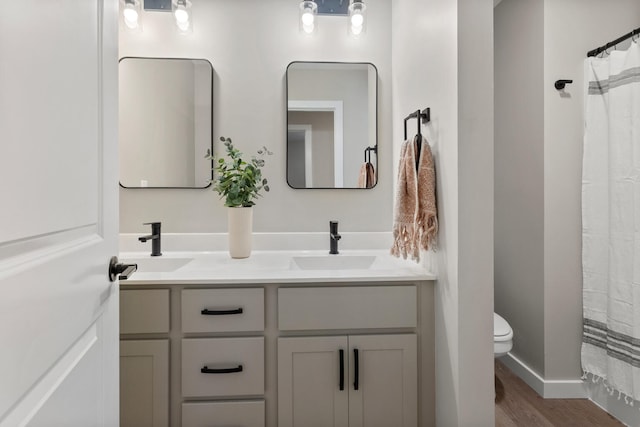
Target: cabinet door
point(309, 379)
point(144, 383)
point(386, 391)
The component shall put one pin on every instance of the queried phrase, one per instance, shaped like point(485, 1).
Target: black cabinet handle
point(356, 368)
point(341, 369)
point(207, 312)
point(206, 370)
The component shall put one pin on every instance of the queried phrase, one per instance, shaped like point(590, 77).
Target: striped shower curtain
point(611, 223)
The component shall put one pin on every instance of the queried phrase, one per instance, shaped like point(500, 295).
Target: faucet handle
point(155, 226)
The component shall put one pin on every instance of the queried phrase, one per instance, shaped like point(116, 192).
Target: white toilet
point(502, 336)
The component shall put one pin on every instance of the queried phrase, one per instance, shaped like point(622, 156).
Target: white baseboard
point(548, 389)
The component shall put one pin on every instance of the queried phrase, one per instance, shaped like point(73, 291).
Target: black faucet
point(154, 237)
point(333, 237)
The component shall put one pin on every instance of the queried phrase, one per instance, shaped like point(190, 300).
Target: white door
point(309, 380)
point(58, 213)
point(387, 381)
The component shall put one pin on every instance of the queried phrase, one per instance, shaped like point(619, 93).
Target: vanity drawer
point(222, 310)
point(223, 414)
point(347, 307)
point(235, 367)
point(144, 311)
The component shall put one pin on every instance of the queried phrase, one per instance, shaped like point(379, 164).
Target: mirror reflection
point(331, 125)
point(165, 113)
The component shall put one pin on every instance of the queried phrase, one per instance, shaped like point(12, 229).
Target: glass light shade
point(357, 18)
point(182, 15)
point(131, 14)
point(308, 12)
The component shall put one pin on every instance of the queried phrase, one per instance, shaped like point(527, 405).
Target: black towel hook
point(560, 84)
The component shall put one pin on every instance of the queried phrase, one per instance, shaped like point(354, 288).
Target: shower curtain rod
point(601, 49)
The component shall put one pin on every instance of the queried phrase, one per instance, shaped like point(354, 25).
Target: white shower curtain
point(611, 222)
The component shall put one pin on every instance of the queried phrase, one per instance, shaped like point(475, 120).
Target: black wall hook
point(559, 84)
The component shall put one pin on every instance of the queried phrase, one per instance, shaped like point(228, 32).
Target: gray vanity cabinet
point(256, 355)
point(192, 357)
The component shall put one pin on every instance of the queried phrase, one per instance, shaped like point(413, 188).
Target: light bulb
point(356, 29)
point(357, 20)
point(308, 28)
point(307, 18)
point(181, 15)
point(130, 16)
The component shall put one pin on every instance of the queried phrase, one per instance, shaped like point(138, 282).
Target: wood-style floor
point(517, 405)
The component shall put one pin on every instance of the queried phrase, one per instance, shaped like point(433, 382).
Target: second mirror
point(332, 125)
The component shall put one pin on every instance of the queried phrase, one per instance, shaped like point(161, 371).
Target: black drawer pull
point(341, 359)
point(206, 370)
point(207, 312)
point(356, 366)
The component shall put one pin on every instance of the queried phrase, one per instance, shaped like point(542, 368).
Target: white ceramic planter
point(240, 230)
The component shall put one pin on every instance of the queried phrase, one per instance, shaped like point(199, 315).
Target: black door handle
point(341, 360)
point(119, 270)
point(206, 370)
point(207, 312)
point(356, 368)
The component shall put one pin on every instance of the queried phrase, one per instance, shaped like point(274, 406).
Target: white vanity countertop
point(272, 267)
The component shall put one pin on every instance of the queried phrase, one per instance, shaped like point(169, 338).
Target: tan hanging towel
point(367, 176)
point(415, 223)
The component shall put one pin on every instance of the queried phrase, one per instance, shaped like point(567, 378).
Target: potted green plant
point(239, 182)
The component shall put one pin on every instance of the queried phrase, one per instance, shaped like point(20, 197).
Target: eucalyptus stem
point(237, 181)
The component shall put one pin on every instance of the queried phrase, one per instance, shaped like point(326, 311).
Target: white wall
point(442, 50)
point(519, 175)
point(249, 44)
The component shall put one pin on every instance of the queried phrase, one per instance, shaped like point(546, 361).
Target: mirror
point(165, 113)
point(332, 125)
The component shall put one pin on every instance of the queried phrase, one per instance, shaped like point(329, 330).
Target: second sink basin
point(332, 262)
point(157, 264)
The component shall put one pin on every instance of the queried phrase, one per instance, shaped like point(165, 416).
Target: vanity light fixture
point(308, 13)
point(182, 15)
point(131, 14)
point(357, 17)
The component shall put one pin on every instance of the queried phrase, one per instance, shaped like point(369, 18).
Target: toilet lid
point(500, 327)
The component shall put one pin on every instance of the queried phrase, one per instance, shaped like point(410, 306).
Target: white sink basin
point(157, 264)
point(332, 262)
